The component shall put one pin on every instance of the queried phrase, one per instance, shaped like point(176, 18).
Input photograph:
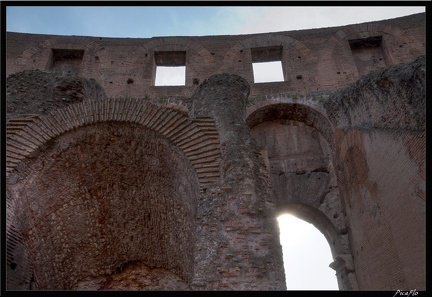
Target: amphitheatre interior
point(114, 182)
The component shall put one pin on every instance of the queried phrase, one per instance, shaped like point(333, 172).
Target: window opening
point(306, 256)
point(170, 76)
point(67, 60)
point(170, 68)
point(267, 64)
point(368, 54)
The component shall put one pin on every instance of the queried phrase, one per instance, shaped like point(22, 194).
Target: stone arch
point(194, 141)
point(292, 50)
point(338, 243)
point(312, 145)
point(198, 59)
point(288, 108)
point(298, 141)
point(317, 218)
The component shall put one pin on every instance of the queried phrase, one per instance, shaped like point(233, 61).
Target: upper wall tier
point(310, 60)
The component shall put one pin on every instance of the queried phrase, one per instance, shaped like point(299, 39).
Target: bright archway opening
point(306, 256)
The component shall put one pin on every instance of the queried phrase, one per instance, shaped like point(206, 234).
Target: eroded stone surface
point(110, 204)
point(105, 195)
point(134, 277)
point(39, 92)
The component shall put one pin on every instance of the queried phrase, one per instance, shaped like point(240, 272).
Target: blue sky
point(150, 21)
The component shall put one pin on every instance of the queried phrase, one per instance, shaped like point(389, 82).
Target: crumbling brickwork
point(114, 183)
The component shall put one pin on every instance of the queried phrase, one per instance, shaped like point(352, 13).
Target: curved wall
point(340, 141)
point(312, 60)
point(105, 195)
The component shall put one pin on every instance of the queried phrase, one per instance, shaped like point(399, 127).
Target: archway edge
point(197, 138)
point(317, 218)
point(343, 259)
point(290, 109)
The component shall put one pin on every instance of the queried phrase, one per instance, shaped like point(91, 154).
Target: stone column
point(238, 235)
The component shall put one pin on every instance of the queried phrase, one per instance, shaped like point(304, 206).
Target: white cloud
point(287, 18)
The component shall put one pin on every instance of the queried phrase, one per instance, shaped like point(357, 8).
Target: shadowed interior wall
point(385, 203)
point(105, 195)
point(381, 159)
point(302, 174)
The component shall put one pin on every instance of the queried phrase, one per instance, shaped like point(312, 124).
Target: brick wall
point(193, 173)
point(312, 60)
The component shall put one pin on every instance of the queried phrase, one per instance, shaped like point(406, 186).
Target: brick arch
point(322, 190)
point(317, 218)
point(350, 140)
point(288, 108)
point(197, 138)
point(317, 199)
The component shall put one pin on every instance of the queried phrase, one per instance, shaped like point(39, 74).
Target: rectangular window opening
point(170, 68)
point(267, 64)
point(267, 72)
point(368, 54)
point(170, 76)
point(67, 60)
point(364, 43)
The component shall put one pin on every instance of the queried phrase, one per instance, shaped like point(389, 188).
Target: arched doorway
point(299, 147)
point(108, 206)
point(107, 201)
point(306, 255)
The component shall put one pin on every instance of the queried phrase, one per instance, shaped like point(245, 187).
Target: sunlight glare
point(267, 72)
point(170, 76)
point(303, 247)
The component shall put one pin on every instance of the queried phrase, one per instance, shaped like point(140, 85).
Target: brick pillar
point(238, 236)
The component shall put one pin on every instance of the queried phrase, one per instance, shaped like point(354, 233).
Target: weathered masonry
point(115, 183)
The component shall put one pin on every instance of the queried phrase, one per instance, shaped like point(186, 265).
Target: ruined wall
point(114, 183)
point(381, 150)
point(38, 92)
point(245, 253)
point(92, 183)
point(385, 181)
point(311, 59)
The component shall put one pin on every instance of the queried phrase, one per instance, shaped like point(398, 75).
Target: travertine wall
point(115, 183)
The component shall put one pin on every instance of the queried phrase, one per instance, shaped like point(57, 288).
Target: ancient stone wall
point(114, 183)
point(311, 59)
point(381, 154)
